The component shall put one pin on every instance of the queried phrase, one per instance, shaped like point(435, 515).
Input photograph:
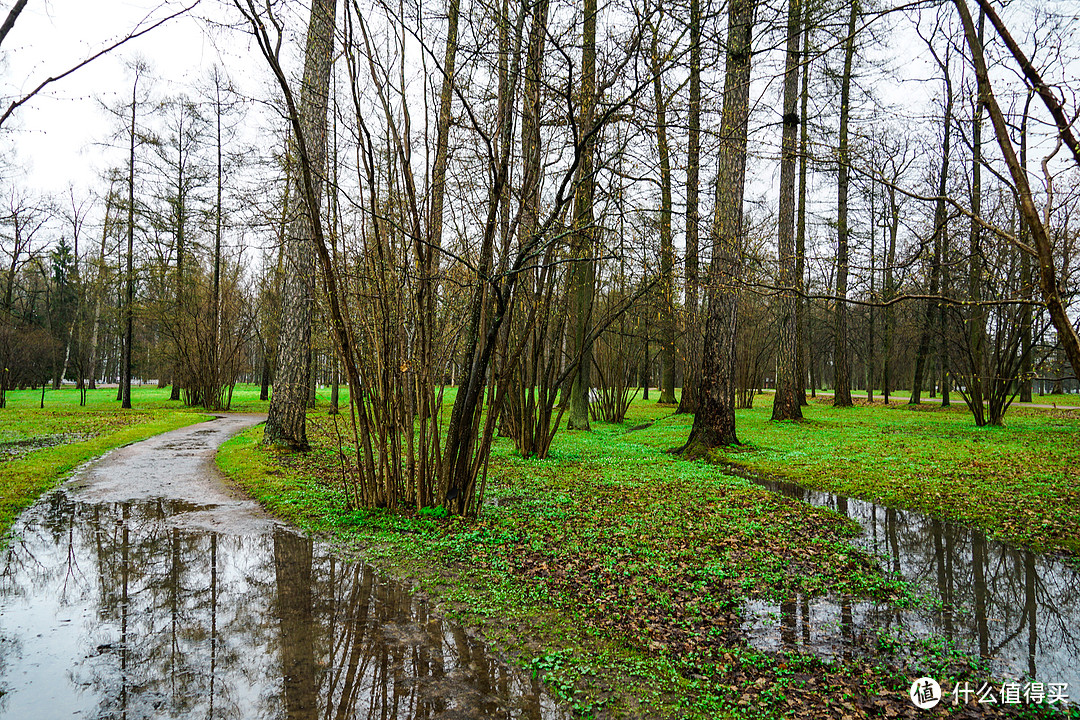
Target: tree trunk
point(802, 304)
point(583, 272)
point(667, 252)
point(841, 351)
point(940, 229)
point(264, 383)
point(1044, 250)
point(129, 309)
point(714, 422)
point(688, 402)
point(286, 424)
point(1026, 361)
point(889, 290)
point(977, 317)
point(786, 400)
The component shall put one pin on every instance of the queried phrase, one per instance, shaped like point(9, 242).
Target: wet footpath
point(148, 587)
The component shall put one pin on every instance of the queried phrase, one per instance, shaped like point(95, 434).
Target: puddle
point(15, 449)
point(1017, 609)
point(149, 589)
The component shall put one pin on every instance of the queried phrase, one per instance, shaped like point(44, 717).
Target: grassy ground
point(1066, 399)
point(617, 571)
point(143, 397)
point(1020, 483)
point(39, 448)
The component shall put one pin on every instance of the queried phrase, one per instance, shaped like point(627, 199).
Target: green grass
point(616, 571)
point(1066, 399)
point(1020, 483)
point(39, 448)
point(143, 397)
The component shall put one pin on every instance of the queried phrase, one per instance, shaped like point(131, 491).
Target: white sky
point(58, 136)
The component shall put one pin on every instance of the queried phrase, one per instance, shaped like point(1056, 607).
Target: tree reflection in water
point(117, 610)
point(1014, 608)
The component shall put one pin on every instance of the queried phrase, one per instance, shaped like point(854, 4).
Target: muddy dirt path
point(147, 586)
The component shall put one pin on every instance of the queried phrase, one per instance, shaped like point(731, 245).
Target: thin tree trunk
point(841, 351)
point(667, 252)
point(889, 290)
point(1026, 361)
point(940, 229)
point(1043, 248)
point(129, 309)
point(688, 401)
point(871, 350)
point(977, 317)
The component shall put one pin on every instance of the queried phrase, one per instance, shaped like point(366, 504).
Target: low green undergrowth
point(618, 572)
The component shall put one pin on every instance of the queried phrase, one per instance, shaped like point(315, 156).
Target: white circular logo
point(925, 693)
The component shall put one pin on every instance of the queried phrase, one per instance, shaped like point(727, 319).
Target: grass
point(617, 571)
point(143, 397)
point(1020, 483)
point(39, 448)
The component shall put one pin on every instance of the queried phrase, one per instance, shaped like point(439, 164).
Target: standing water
point(146, 587)
point(1018, 610)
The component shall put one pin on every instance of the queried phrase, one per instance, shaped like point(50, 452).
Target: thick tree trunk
point(714, 422)
point(286, 424)
point(786, 400)
point(802, 304)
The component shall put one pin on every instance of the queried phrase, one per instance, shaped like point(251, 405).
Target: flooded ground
point(146, 587)
point(15, 449)
point(1017, 609)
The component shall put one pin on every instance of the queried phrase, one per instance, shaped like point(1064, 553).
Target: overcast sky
point(58, 137)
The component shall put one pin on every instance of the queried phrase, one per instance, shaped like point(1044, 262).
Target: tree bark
point(841, 351)
point(977, 317)
point(129, 309)
point(287, 424)
point(1043, 249)
point(940, 229)
point(786, 400)
point(714, 422)
point(688, 401)
point(802, 304)
point(583, 272)
point(667, 252)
